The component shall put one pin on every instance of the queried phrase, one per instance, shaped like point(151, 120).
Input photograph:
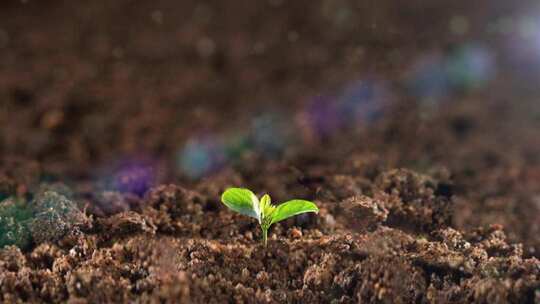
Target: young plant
point(246, 202)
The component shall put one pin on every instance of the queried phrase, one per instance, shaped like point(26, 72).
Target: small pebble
point(296, 233)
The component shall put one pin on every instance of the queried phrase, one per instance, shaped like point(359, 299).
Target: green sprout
point(246, 202)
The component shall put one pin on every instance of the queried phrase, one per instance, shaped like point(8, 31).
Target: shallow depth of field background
point(129, 94)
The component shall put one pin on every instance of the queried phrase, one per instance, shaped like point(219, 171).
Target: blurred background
point(128, 94)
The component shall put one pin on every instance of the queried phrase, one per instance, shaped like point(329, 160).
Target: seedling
point(246, 202)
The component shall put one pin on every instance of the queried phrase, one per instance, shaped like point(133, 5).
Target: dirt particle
point(296, 233)
point(55, 217)
point(363, 212)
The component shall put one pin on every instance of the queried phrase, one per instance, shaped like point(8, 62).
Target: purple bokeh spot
point(134, 176)
point(363, 101)
point(324, 116)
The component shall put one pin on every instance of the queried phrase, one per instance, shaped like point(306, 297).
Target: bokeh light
point(135, 175)
point(270, 133)
point(201, 156)
point(437, 76)
point(363, 101)
point(236, 145)
point(427, 78)
point(521, 43)
point(471, 66)
point(322, 116)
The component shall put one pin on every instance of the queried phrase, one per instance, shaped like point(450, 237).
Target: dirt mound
point(185, 246)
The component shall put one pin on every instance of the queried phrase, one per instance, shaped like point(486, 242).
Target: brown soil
point(426, 203)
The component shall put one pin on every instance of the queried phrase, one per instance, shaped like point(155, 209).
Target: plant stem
point(265, 236)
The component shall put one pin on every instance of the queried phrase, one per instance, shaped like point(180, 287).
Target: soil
point(122, 122)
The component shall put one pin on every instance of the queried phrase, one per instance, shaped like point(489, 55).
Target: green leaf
point(265, 201)
point(242, 201)
point(292, 208)
point(266, 207)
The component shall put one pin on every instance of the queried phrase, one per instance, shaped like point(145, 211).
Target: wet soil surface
point(420, 201)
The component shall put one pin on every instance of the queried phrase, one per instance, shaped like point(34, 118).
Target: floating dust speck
point(259, 47)
point(118, 53)
point(206, 47)
point(459, 25)
point(293, 36)
point(157, 16)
